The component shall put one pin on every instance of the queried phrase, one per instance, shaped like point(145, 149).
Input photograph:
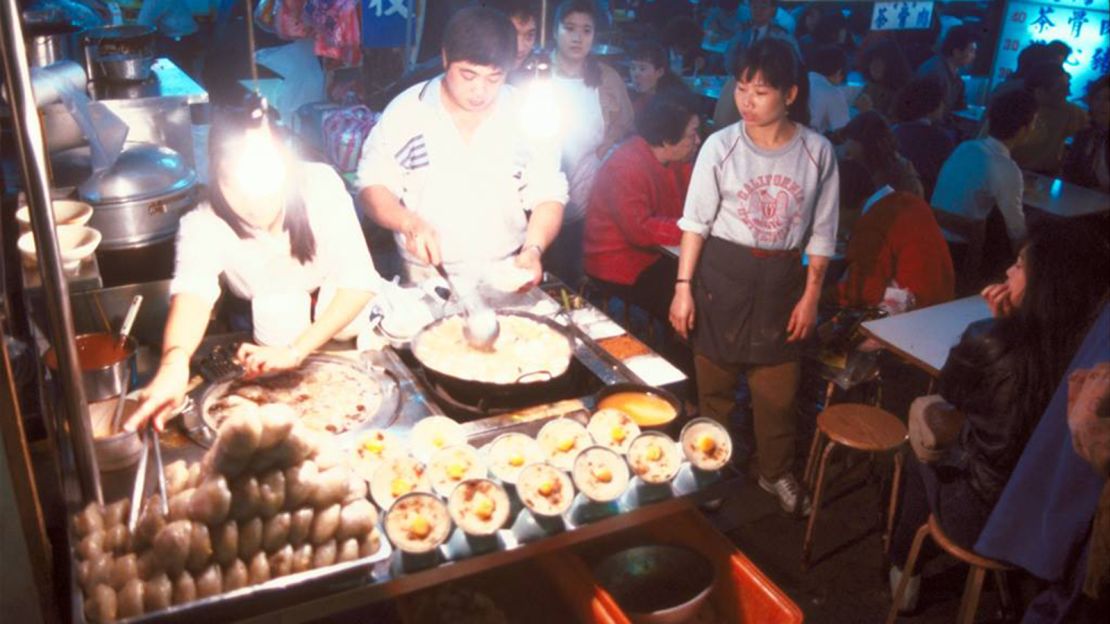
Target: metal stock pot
point(139, 200)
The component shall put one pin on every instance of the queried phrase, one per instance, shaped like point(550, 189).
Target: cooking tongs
point(150, 442)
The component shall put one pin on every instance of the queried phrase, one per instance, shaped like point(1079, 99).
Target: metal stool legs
point(895, 490)
point(907, 572)
point(973, 586)
point(814, 478)
point(807, 544)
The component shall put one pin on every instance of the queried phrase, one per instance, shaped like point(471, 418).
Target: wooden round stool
point(861, 428)
point(969, 604)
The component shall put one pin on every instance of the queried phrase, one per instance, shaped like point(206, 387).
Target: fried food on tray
point(324, 396)
point(289, 503)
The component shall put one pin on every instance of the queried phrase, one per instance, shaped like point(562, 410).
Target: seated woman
point(885, 71)
point(636, 202)
point(895, 244)
point(999, 380)
point(869, 141)
point(288, 230)
point(650, 73)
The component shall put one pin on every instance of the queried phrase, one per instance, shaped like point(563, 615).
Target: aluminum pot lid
point(143, 171)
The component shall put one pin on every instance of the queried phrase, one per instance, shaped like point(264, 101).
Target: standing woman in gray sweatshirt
point(763, 191)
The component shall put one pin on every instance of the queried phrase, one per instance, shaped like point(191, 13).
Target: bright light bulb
point(259, 166)
point(540, 116)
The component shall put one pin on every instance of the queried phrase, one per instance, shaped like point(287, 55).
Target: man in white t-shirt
point(828, 106)
point(980, 174)
point(450, 169)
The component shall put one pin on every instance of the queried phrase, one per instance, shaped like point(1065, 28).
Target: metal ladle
point(124, 331)
point(479, 335)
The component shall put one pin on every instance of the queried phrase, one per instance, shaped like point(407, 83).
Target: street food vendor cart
point(287, 495)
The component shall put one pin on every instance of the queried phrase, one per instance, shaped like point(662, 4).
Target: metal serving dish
point(120, 52)
point(199, 423)
point(256, 599)
point(103, 366)
point(535, 384)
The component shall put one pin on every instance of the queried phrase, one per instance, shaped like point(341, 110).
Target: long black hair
point(776, 60)
point(1065, 267)
point(896, 72)
point(228, 128)
point(591, 73)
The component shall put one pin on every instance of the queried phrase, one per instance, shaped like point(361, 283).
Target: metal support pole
point(32, 158)
point(543, 25)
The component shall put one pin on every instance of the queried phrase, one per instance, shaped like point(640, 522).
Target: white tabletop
point(1063, 199)
point(925, 336)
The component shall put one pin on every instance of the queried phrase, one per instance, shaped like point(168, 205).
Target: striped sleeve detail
point(413, 154)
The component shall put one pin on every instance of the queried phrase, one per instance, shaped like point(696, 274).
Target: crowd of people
point(788, 177)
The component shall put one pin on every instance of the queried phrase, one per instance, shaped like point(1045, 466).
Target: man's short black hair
point(1060, 48)
point(958, 38)
point(481, 36)
point(663, 120)
point(650, 51)
point(1009, 112)
point(517, 9)
point(1044, 76)
point(918, 98)
point(828, 60)
point(1032, 55)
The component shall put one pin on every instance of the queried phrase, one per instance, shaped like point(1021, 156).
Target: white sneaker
point(792, 497)
point(912, 593)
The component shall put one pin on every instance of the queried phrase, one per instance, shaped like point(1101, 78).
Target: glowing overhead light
point(540, 115)
point(259, 166)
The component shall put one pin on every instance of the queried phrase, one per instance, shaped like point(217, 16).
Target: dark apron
point(743, 298)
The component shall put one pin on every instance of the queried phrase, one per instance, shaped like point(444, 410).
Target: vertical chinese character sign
point(1082, 24)
point(384, 22)
point(901, 15)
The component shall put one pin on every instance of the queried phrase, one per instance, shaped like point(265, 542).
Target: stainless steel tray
point(251, 600)
point(197, 427)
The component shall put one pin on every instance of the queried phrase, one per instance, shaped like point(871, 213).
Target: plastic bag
point(105, 132)
point(345, 130)
point(303, 77)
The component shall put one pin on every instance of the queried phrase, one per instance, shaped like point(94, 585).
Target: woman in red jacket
point(897, 243)
point(635, 204)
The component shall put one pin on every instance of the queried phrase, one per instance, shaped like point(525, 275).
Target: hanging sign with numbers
point(1082, 24)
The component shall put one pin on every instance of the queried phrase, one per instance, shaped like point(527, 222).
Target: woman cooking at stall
point(274, 229)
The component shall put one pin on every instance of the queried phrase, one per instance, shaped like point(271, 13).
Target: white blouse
point(207, 248)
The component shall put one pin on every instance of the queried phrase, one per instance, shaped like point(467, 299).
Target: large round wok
point(537, 384)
